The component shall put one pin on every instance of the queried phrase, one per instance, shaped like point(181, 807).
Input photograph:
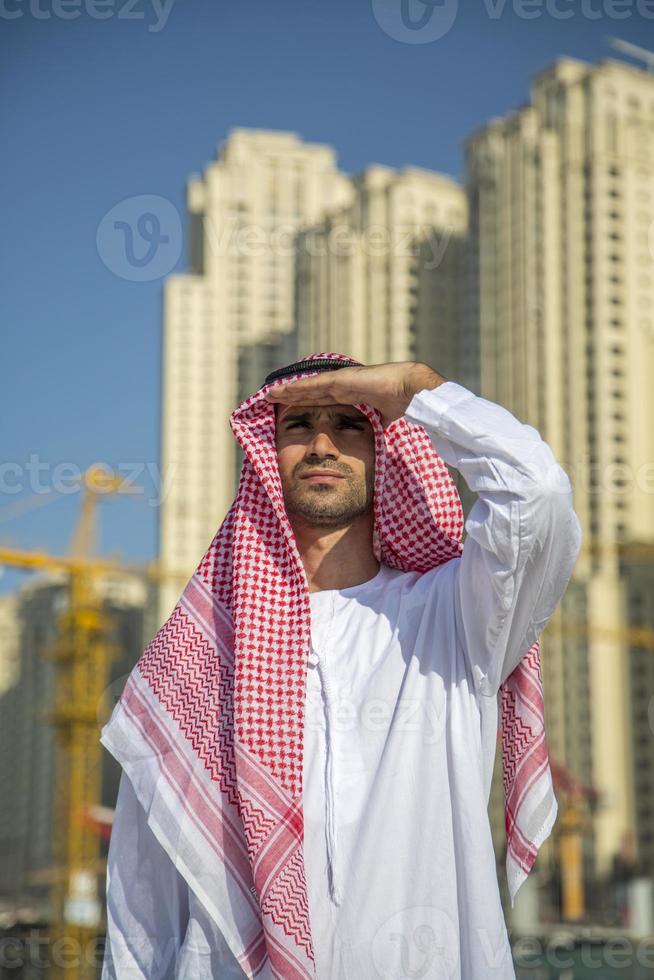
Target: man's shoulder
point(423, 582)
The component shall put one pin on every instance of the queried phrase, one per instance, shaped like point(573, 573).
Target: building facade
point(561, 196)
point(380, 278)
point(244, 214)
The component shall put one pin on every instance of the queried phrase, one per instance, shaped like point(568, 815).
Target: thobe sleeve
point(147, 898)
point(523, 535)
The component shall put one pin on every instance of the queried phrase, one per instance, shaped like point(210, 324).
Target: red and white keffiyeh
point(209, 727)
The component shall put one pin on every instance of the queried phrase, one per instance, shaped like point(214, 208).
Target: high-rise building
point(383, 278)
point(9, 642)
point(379, 279)
point(245, 212)
point(561, 196)
point(637, 569)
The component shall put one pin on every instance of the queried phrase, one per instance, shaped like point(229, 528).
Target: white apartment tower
point(383, 277)
point(228, 320)
point(561, 196)
point(379, 279)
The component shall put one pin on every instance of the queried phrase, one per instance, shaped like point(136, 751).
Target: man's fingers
point(314, 397)
point(302, 390)
point(320, 386)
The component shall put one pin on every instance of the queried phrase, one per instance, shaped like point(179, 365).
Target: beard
point(330, 504)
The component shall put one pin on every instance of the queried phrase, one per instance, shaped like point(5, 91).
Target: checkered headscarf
point(210, 725)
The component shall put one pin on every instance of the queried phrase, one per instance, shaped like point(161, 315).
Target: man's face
point(322, 439)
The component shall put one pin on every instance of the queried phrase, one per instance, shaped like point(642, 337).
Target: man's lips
point(326, 475)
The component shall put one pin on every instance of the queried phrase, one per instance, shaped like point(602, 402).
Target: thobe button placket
point(330, 786)
point(323, 615)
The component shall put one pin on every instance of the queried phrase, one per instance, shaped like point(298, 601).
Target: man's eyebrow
point(304, 416)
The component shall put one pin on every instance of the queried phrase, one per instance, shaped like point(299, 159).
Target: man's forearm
point(421, 377)
point(523, 533)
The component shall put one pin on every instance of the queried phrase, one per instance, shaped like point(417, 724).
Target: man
point(308, 742)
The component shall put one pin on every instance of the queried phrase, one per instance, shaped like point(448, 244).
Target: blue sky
point(96, 111)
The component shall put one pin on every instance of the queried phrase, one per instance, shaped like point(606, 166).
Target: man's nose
point(322, 445)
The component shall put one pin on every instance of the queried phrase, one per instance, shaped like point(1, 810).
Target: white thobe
point(400, 736)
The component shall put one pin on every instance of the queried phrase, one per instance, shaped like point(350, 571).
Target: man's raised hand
point(387, 387)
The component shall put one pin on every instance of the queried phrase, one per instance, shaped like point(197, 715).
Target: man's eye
point(351, 423)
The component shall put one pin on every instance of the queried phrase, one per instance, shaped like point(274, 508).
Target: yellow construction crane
point(82, 654)
point(578, 803)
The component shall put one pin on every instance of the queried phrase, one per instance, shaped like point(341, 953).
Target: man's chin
point(329, 514)
point(323, 515)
